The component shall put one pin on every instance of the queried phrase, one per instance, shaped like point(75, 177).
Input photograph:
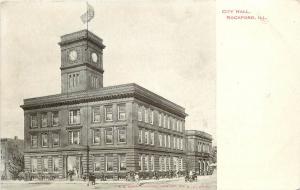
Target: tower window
point(94, 82)
point(73, 80)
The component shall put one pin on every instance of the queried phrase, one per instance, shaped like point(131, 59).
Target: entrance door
point(74, 164)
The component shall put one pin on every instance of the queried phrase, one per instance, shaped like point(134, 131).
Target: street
point(203, 183)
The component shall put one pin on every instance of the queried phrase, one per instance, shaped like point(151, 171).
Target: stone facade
point(198, 153)
point(90, 128)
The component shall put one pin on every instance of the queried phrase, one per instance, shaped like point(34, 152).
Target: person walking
point(137, 178)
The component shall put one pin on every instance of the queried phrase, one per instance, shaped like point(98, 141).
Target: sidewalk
point(98, 181)
point(84, 182)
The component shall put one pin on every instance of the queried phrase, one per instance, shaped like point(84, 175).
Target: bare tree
point(16, 165)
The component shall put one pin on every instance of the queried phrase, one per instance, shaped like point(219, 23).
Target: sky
point(164, 46)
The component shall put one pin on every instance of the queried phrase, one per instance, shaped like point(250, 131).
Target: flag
point(88, 15)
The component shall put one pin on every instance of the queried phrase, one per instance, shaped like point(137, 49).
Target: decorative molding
point(83, 64)
point(106, 93)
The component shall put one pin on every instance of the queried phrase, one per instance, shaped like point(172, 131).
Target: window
point(45, 165)
point(165, 121)
point(74, 116)
point(33, 165)
point(122, 112)
point(109, 136)
point(45, 140)
point(96, 114)
point(140, 136)
point(74, 137)
point(160, 139)
point(55, 139)
point(140, 113)
point(199, 146)
point(34, 140)
point(94, 81)
point(152, 163)
point(141, 162)
point(109, 162)
point(33, 121)
point(160, 163)
point(169, 162)
point(174, 142)
point(169, 122)
point(55, 164)
point(122, 134)
point(169, 141)
point(146, 137)
point(181, 146)
point(108, 113)
point(97, 164)
point(175, 163)
point(165, 137)
point(147, 162)
point(151, 117)
point(44, 118)
point(96, 136)
point(73, 80)
point(165, 163)
point(178, 143)
point(159, 119)
point(152, 138)
point(122, 162)
point(146, 115)
point(177, 125)
point(181, 164)
point(55, 118)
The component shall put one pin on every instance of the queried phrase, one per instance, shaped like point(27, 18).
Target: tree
point(16, 165)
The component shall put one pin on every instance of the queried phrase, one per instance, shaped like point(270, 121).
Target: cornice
point(106, 93)
point(83, 64)
point(80, 36)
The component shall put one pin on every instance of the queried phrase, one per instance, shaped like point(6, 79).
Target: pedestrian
point(137, 178)
point(191, 174)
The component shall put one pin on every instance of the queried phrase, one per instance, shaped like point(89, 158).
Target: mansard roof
point(105, 93)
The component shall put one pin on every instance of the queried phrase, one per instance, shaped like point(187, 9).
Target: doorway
point(73, 163)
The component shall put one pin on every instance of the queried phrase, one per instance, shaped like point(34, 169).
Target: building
point(198, 152)
point(9, 148)
point(90, 128)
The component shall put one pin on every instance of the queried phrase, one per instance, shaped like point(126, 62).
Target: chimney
point(16, 137)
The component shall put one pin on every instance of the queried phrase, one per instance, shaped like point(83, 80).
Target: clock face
point(73, 55)
point(94, 57)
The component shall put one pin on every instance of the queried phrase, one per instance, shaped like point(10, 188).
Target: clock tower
point(81, 61)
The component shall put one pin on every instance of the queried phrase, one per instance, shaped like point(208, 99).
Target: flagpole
point(87, 24)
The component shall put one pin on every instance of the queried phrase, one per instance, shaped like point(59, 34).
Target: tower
point(81, 61)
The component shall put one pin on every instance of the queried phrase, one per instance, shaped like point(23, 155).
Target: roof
point(197, 133)
point(79, 36)
point(105, 93)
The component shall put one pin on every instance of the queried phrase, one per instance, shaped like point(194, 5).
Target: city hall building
point(90, 128)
